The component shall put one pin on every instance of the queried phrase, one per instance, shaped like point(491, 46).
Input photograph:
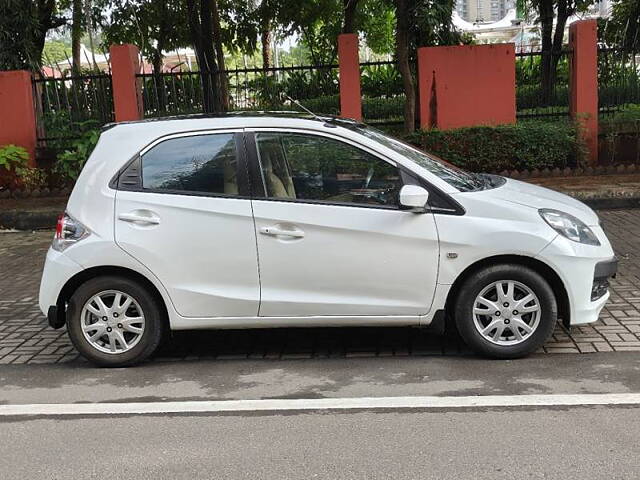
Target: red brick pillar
point(17, 111)
point(349, 73)
point(127, 92)
point(583, 87)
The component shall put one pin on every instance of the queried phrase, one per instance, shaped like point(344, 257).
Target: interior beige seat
point(230, 178)
point(276, 173)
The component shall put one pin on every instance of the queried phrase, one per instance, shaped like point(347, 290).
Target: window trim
point(258, 177)
point(244, 191)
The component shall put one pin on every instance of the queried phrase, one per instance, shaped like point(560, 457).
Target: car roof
point(234, 118)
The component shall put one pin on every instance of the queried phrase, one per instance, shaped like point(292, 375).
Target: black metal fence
point(315, 87)
point(532, 101)
point(382, 93)
point(618, 79)
point(67, 107)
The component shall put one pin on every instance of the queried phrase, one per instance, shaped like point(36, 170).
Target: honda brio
point(274, 220)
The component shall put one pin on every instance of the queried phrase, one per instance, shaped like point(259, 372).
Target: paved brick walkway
point(25, 337)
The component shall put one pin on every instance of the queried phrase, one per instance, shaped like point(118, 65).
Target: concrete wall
point(17, 111)
point(467, 85)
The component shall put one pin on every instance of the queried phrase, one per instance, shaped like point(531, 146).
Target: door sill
point(183, 323)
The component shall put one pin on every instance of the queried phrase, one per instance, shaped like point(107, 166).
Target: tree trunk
point(402, 54)
point(546, 27)
point(157, 58)
point(200, 27)
point(565, 10)
point(76, 35)
point(266, 48)
point(46, 21)
point(349, 8)
point(217, 40)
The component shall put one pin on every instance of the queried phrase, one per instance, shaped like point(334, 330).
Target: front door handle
point(281, 232)
point(133, 217)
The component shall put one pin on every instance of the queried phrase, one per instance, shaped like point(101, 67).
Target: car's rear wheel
point(114, 321)
point(505, 311)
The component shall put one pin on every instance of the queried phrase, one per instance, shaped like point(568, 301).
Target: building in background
point(481, 11)
point(488, 11)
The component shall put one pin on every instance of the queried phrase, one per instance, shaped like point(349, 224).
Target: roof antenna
point(303, 107)
point(327, 122)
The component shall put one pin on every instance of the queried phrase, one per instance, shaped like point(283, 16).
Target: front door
point(332, 239)
point(181, 212)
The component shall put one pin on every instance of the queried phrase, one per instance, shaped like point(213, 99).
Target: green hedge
point(526, 145)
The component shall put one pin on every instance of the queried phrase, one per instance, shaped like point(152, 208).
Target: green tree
point(155, 26)
point(55, 51)
point(23, 28)
point(623, 27)
point(378, 25)
point(420, 23)
point(552, 36)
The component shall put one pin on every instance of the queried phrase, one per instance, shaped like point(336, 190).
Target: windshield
point(454, 176)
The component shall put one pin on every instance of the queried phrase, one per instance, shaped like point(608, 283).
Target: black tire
point(153, 317)
point(474, 285)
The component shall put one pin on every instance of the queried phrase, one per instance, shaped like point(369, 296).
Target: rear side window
point(198, 164)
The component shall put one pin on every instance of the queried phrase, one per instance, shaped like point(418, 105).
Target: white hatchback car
point(273, 220)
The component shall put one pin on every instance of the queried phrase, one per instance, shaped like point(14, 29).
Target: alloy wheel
point(506, 312)
point(112, 322)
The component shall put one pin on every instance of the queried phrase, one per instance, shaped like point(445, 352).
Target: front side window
point(308, 167)
point(454, 176)
point(200, 164)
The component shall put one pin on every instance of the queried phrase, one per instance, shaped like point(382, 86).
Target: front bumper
point(585, 271)
point(603, 272)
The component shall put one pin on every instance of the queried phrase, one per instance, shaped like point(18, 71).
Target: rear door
point(183, 211)
point(332, 239)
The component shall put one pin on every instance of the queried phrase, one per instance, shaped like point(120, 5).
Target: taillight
point(68, 232)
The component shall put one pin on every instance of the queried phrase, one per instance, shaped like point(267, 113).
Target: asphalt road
point(581, 442)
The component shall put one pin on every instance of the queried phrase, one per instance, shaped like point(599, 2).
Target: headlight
point(569, 226)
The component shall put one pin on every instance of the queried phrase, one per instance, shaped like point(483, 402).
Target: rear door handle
point(150, 218)
point(280, 232)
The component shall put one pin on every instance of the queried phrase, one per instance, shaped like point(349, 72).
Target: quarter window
point(307, 167)
point(198, 163)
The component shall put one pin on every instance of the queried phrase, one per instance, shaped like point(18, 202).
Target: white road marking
point(362, 403)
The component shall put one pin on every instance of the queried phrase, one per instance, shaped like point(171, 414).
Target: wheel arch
point(547, 272)
point(79, 278)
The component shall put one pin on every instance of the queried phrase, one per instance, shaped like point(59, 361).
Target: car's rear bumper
point(58, 269)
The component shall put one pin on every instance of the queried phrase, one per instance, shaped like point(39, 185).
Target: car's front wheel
point(114, 321)
point(505, 311)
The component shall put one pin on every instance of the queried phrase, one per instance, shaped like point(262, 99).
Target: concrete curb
point(611, 203)
point(26, 220)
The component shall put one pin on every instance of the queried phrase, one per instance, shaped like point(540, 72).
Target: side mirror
point(414, 197)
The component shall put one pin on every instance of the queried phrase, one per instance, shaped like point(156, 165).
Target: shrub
point(329, 105)
point(383, 108)
point(33, 178)
point(527, 145)
point(13, 158)
point(631, 114)
point(70, 162)
point(13, 161)
point(381, 81)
